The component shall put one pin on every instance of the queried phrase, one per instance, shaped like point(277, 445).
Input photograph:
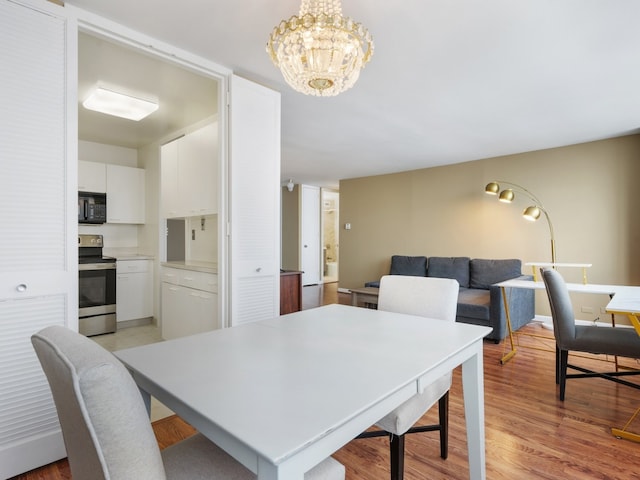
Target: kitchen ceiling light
point(320, 52)
point(119, 104)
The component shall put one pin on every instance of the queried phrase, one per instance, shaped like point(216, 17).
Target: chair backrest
point(430, 297)
point(104, 422)
point(564, 321)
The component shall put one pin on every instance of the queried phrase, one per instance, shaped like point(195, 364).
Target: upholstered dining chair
point(426, 297)
point(106, 428)
point(623, 342)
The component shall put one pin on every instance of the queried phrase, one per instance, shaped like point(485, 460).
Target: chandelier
point(320, 52)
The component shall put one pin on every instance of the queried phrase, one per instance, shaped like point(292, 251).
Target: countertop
point(207, 267)
point(126, 254)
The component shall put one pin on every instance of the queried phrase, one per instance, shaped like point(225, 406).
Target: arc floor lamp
point(531, 213)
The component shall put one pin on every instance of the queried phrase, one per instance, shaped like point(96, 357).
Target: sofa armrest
point(521, 303)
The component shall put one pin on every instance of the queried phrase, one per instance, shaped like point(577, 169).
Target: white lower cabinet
point(134, 289)
point(189, 302)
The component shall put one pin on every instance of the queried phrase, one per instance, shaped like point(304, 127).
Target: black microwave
point(92, 207)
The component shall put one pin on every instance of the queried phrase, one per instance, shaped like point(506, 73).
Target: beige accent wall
point(588, 190)
point(290, 255)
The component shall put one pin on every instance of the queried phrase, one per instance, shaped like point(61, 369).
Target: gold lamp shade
point(507, 196)
point(492, 188)
point(532, 213)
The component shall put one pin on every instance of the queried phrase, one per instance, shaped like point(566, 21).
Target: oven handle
point(96, 266)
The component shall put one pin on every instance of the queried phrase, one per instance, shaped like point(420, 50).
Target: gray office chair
point(106, 428)
point(426, 297)
point(623, 342)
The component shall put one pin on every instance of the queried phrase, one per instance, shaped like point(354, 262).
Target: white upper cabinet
point(189, 174)
point(92, 177)
point(125, 194)
point(124, 186)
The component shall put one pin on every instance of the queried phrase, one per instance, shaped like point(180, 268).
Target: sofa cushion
point(484, 273)
point(474, 303)
point(405, 265)
point(450, 267)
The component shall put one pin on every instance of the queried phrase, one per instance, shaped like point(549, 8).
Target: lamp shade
point(531, 213)
point(492, 188)
point(507, 196)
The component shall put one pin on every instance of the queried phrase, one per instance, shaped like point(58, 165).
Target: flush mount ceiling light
point(118, 104)
point(320, 52)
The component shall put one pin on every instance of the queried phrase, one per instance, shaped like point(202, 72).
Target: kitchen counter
point(126, 254)
point(207, 267)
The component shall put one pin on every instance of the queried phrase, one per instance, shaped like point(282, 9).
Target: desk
point(281, 395)
point(572, 287)
point(627, 302)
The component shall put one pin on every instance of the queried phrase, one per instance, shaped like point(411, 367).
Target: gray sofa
point(479, 301)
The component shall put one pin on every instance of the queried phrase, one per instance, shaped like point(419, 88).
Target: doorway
point(330, 235)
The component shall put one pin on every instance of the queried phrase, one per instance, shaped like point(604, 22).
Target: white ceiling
point(450, 80)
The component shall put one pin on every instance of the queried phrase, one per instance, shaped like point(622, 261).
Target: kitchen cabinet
point(189, 174)
point(189, 302)
point(125, 194)
point(92, 177)
point(124, 186)
point(134, 289)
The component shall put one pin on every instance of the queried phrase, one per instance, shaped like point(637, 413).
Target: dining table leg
point(473, 391)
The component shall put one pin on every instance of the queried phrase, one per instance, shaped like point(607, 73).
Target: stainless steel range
point(96, 287)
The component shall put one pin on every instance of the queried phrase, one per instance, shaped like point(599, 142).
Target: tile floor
point(133, 337)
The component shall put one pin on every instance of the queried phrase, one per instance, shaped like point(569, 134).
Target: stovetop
point(95, 259)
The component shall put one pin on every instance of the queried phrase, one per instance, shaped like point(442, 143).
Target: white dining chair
point(426, 297)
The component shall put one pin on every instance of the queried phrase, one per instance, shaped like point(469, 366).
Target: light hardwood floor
point(530, 434)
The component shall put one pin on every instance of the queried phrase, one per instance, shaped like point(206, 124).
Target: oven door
point(96, 289)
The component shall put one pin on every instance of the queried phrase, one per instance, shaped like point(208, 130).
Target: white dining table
point(283, 394)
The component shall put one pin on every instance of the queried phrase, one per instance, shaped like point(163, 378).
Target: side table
point(367, 295)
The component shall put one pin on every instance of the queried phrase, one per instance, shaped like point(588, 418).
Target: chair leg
point(564, 359)
point(443, 415)
point(557, 365)
point(397, 456)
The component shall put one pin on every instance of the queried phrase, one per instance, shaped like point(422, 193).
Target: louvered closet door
point(254, 170)
point(37, 274)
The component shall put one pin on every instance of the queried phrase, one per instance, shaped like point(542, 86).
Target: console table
point(290, 291)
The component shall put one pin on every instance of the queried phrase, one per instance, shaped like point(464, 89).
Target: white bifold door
point(254, 193)
point(38, 237)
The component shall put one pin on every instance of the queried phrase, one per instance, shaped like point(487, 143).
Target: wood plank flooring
point(530, 434)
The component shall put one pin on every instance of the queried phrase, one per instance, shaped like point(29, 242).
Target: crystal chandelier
point(320, 52)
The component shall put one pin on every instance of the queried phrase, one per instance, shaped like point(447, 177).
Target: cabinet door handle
point(259, 269)
point(21, 288)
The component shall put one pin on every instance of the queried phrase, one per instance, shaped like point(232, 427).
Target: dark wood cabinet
point(290, 291)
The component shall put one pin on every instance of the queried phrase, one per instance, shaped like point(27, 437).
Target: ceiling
point(450, 80)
